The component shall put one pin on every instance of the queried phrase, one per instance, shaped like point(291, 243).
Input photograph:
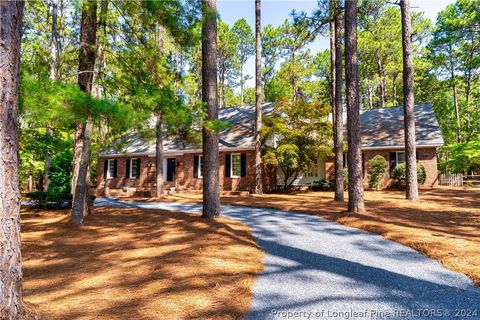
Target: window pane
point(200, 166)
point(133, 168)
point(111, 168)
point(236, 165)
point(400, 157)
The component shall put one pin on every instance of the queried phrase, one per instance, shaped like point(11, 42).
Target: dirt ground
point(137, 264)
point(444, 224)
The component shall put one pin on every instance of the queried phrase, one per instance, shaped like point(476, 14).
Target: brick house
point(128, 166)
point(382, 132)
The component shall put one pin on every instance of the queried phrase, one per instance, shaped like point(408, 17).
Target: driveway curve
point(319, 269)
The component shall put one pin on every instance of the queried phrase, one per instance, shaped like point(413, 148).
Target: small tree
point(378, 169)
point(301, 132)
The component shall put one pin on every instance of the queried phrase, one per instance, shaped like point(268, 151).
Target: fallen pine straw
point(130, 263)
point(444, 224)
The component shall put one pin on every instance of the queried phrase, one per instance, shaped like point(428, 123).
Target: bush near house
point(323, 185)
point(399, 175)
point(377, 169)
point(52, 199)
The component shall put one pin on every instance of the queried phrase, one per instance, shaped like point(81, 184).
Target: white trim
point(397, 162)
point(199, 166)
point(131, 169)
point(109, 176)
point(231, 165)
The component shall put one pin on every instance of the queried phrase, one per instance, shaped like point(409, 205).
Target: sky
point(276, 11)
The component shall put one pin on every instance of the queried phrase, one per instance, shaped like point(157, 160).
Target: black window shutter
point(393, 162)
point(416, 155)
point(105, 168)
point(363, 165)
point(227, 165)
point(127, 169)
point(115, 168)
point(138, 167)
point(195, 166)
point(344, 160)
point(243, 165)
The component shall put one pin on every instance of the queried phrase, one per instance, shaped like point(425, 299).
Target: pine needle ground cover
point(130, 263)
point(444, 224)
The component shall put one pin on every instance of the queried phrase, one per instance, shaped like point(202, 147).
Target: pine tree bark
point(409, 103)
point(11, 304)
point(337, 79)
point(355, 182)
point(241, 85)
point(159, 156)
point(211, 190)
point(86, 65)
point(258, 97)
point(382, 87)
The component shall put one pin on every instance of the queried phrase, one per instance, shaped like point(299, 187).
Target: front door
point(171, 164)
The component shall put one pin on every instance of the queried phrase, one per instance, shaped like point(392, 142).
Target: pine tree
point(211, 188)
point(355, 181)
point(409, 103)
point(11, 305)
point(258, 97)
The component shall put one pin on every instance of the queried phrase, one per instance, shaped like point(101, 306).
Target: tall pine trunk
point(355, 181)
point(211, 189)
point(53, 76)
point(159, 127)
point(241, 85)
point(455, 98)
point(382, 87)
point(159, 156)
point(409, 103)
point(83, 131)
point(11, 304)
point(258, 97)
point(338, 100)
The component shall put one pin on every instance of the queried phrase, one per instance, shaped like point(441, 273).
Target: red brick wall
point(184, 175)
point(426, 156)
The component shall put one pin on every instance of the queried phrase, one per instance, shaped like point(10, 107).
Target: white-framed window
point(134, 168)
point(400, 157)
point(110, 168)
point(200, 167)
point(313, 171)
point(236, 165)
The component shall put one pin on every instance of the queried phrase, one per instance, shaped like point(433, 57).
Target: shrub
point(345, 178)
point(399, 175)
point(323, 185)
point(378, 169)
point(50, 200)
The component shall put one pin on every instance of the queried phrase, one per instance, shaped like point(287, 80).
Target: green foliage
point(323, 185)
point(50, 200)
point(378, 169)
point(463, 157)
point(399, 174)
point(345, 178)
point(61, 171)
point(295, 136)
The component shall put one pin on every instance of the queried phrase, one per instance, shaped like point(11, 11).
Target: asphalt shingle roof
point(380, 128)
point(239, 135)
point(385, 128)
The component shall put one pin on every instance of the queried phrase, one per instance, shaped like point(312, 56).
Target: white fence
point(451, 179)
